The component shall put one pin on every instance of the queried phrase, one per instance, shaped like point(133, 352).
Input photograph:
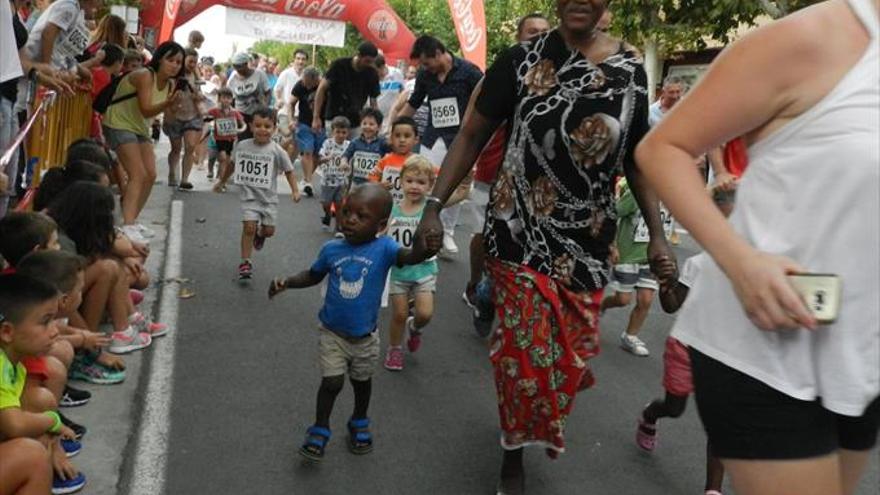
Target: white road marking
point(152, 444)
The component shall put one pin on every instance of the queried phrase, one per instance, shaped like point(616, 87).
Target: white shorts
point(255, 211)
point(628, 276)
point(479, 201)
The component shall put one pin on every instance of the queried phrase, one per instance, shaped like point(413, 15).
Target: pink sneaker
point(142, 324)
point(136, 296)
point(157, 329)
point(394, 359)
point(415, 336)
point(646, 435)
point(129, 340)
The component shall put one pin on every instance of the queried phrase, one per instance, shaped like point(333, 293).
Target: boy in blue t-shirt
point(365, 152)
point(357, 267)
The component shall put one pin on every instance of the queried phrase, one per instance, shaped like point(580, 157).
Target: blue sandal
point(316, 441)
point(360, 440)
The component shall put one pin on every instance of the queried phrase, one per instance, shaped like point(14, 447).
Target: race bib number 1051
point(254, 169)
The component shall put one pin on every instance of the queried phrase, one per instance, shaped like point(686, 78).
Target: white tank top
point(812, 193)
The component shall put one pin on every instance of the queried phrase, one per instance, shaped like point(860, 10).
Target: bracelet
point(56, 425)
point(435, 199)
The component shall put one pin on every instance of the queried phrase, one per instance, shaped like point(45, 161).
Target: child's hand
point(94, 341)
point(665, 270)
point(66, 433)
point(296, 196)
point(277, 286)
point(388, 185)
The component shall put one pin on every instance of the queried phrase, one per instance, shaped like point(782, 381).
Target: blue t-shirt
point(363, 156)
point(355, 284)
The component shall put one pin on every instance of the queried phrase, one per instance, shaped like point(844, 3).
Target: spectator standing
point(284, 86)
point(111, 29)
point(250, 87)
point(308, 139)
point(390, 87)
point(447, 83)
point(346, 87)
point(195, 40)
point(673, 89)
point(183, 123)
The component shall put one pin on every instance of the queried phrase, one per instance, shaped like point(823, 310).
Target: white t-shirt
point(655, 114)
point(390, 88)
point(10, 65)
point(284, 86)
point(72, 39)
point(248, 90)
point(811, 193)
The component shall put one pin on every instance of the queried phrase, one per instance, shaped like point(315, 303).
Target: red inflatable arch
point(375, 20)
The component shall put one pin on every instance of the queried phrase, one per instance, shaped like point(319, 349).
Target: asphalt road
point(246, 377)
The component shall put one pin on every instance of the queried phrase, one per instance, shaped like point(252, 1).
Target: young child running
point(365, 152)
point(257, 163)
point(228, 124)
point(404, 137)
point(333, 183)
point(417, 281)
point(349, 343)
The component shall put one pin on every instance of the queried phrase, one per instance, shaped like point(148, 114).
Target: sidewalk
point(115, 409)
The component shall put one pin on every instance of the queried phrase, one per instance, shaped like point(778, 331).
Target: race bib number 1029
point(254, 169)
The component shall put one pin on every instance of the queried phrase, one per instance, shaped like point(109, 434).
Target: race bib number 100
point(254, 169)
point(444, 113)
point(362, 163)
point(392, 176)
point(403, 230)
point(642, 234)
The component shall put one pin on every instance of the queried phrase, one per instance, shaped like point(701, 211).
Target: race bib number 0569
point(254, 169)
point(444, 113)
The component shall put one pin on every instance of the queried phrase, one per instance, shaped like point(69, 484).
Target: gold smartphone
point(821, 293)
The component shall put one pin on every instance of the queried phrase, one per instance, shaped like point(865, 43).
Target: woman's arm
point(142, 80)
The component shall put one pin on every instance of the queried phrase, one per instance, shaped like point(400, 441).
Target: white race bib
point(362, 163)
point(333, 175)
point(642, 234)
point(254, 169)
point(403, 230)
point(444, 113)
point(72, 43)
point(226, 127)
point(392, 176)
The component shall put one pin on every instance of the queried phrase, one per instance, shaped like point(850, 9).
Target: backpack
point(105, 98)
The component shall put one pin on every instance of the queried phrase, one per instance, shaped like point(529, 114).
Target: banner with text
point(469, 17)
point(285, 28)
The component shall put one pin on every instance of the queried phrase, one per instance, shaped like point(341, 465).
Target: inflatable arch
point(375, 19)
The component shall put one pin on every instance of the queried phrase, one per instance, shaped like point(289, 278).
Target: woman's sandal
point(360, 440)
point(316, 441)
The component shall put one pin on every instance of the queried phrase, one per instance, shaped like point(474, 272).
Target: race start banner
point(285, 28)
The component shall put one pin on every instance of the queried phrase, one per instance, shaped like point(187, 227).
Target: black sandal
point(316, 441)
point(360, 440)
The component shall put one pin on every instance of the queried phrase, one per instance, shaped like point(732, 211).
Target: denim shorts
point(174, 129)
point(117, 137)
point(308, 140)
point(8, 130)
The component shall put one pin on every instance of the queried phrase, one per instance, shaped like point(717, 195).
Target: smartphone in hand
point(821, 294)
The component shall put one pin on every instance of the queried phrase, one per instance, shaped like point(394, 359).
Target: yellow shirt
point(12, 378)
point(126, 115)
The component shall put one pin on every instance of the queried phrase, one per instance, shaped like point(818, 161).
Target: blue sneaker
point(72, 485)
point(484, 308)
point(71, 447)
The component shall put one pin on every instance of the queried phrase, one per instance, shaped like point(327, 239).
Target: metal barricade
point(64, 120)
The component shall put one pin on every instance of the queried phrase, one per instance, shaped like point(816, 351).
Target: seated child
point(404, 137)
point(333, 181)
point(27, 328)
point(357, 267)
point(257, 162)
point(417, 282)
point(366, 150)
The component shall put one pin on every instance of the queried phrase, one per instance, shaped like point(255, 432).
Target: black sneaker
point(73, 397)
point(78, 429)
point(308, 190)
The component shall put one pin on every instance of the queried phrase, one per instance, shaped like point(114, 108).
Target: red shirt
point(226, 123)
point(490, 159)
point(736, 157)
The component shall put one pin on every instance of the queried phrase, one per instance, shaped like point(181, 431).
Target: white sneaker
point(633, 344)
point(134, 234)
point(145, 231)
point(129, 340)
point(449, 245)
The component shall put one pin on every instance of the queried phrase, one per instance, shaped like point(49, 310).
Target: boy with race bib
point(364, 152)
point(257, 163)
point(228, 124)
point(404, 136)
point(415, 281)
point(333, 181)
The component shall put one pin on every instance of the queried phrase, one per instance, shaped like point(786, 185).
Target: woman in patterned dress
point(576, 104)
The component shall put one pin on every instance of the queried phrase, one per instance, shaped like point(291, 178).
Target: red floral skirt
point(539, 353)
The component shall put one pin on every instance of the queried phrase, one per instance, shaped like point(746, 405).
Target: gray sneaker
point(634, 345)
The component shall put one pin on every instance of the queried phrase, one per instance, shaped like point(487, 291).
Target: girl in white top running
point(792, 404)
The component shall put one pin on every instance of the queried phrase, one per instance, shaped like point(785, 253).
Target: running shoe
point(339, 235)
point(71, 447)
point(74, 397)
point(646, 435)
point(73, 485)
point(449, 245)
point(325, 224)
point(136, 296)
point(145, 231)
point(245, 270)
point(142, 324)
point(394, 359)
point(634, 345)
point(129, 340)
point(94, 373)
point(210, 175)
point(134, 234)
point(77, 428)
point(307, 188)
point(415, 336)
point(259, 241)
point(185, 186)
point(484, 308)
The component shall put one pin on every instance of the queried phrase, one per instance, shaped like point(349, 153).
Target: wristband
point(56, 426)
point(435, 199)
